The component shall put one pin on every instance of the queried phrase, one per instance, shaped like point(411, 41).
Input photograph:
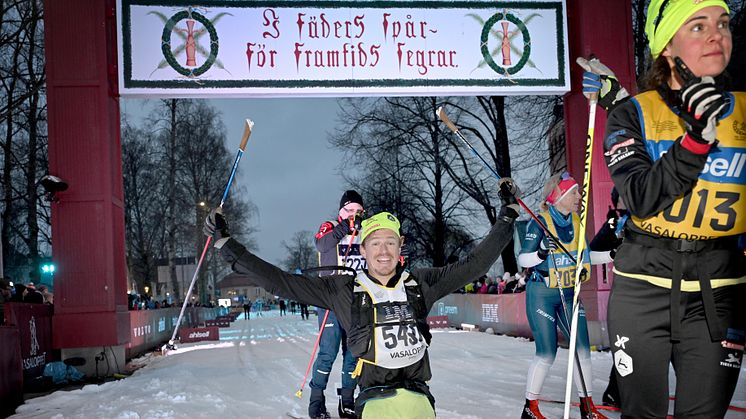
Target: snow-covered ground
point(258, 365)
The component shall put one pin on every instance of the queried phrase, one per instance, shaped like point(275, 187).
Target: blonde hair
point(549, 186)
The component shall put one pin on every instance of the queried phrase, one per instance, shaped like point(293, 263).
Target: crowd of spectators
point(22, 293)
point(507, 284)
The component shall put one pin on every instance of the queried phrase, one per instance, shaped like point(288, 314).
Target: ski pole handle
point(244, 139)
point(246, 134)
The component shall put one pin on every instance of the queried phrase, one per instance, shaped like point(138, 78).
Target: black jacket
point(649, 187)
point(335, 292)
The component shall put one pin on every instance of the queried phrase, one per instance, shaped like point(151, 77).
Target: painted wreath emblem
point(505, 43)
point(190, 47)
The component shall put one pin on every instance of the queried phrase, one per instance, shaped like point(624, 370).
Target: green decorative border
point(486, 50)
point(347, 83)
point(166, 43)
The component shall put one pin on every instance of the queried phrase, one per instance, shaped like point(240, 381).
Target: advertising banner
point(212, 48)
point(34, 323)
point(198, 334)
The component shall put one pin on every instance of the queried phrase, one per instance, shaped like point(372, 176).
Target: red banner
point(34, 324)
point(198, 334)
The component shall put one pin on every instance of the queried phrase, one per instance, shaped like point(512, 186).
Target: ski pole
point(299, 393)
point(244, 139)
point(593, 100)
point(443, 117)
point(568, 316)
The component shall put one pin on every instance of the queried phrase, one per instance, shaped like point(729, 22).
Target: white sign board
point(341, 48)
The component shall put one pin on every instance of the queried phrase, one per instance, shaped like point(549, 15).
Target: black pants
point(706, 371)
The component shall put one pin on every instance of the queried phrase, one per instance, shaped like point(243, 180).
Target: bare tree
point(24, 232)
point(144, 204)
point(301, 252)
point(175, 167)
point(397, 144)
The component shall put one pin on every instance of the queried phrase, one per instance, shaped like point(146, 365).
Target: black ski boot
point(346, 408)
point(611, 395)
point(317, 405)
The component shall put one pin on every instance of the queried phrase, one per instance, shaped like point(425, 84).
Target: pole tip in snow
point(248, 126)
point(169, 346)
point(441, 114)
point(299, 394)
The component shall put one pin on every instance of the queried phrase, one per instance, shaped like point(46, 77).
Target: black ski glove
point(701, 103)
point(509, 193)
point(547, 246)
point(342, 229)
point(356, 223)
point(216, 226)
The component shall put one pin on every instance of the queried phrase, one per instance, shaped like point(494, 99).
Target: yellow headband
point(379, 221)
point(665, 17)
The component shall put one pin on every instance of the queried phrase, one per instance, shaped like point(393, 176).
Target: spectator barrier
point(152, 328)
point(504, 313)
point(34, 325)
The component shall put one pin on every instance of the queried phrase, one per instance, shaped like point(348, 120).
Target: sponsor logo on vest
point(727, 166)
point(407, 352)
point(196, 335)
point(563, 260)
point(663, 231)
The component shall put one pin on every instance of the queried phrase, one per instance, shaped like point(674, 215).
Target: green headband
point(665, 17)
point(379, 221)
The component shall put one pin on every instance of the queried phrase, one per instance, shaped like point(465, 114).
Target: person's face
point(569, 203)
point(381, 251)
point(349, 210)
point(703, 42)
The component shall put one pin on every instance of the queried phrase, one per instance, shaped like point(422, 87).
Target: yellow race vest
point(561, 267)
point(715, 206)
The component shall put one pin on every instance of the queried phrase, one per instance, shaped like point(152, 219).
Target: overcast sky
point(288, 169)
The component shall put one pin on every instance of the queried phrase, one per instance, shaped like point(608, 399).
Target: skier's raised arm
point(303, 288)
point(444, 280)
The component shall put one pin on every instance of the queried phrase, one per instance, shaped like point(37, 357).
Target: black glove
point(701, 103)
point(583, 275)
point(547, 246)
point(356, 223)
point(509, 193)
point(611, 219)
point(215, 225)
